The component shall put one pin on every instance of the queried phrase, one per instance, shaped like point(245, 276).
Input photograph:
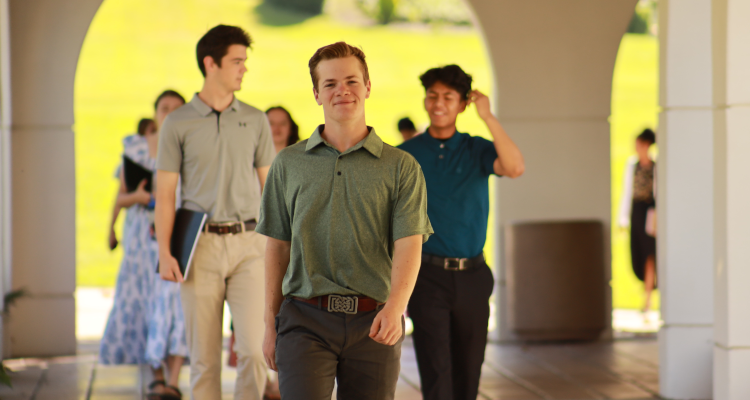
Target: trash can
point(556, 280)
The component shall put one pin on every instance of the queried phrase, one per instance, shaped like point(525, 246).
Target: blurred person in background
point(638, 211)
point(145, 325)
point(406, 128)
point(285, 131)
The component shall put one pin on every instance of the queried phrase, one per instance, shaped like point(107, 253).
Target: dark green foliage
point(4, 376)
point(638, 24)
point(313, 7)
point(386, 11)
point(11, 297)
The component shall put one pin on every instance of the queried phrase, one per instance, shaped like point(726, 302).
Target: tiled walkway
point(624, 369)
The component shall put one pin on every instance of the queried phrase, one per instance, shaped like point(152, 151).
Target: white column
point(45, 40)
point(5, 195)
point(685, 199)
point(553, 63)
point(732, 197)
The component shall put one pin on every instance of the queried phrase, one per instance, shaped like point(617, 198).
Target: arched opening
point(133, 51)
point(635, 106)
point(569, 74)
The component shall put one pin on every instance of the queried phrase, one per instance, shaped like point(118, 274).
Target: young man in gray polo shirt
point(345, 216)
point(221, 148)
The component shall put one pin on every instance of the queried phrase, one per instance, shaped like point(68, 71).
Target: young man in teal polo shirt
point(450, 303)
point(346, 216)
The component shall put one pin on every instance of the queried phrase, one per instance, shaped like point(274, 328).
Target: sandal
point(153, 385)
point(170, 396)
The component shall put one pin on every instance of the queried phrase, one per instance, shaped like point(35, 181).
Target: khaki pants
point(227, 267)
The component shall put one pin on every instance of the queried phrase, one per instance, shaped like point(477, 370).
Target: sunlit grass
point(137, 48)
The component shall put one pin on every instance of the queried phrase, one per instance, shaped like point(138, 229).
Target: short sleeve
point(169, 155)
point(274, 220)
point(485, 150)
point(410, 213)
point(265, 152)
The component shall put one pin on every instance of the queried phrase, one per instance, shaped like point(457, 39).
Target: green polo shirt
point(342, 213)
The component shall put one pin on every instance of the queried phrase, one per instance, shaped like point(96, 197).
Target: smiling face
point(443, 104)
point(229, 75)
point(341, 89)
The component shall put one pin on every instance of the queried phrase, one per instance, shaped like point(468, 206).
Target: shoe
point(232, 362)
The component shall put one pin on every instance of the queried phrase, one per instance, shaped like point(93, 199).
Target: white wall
point(731, 95)
point(685, 199)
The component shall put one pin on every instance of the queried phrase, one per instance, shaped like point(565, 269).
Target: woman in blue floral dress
point(146, 324)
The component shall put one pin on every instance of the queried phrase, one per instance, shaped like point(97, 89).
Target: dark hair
point(333, 51)
point(168, 93)
point(647, 136)
point(406, 124)
point(215, 43)
point(293, 128)
point(143, 125)
point(450, 75)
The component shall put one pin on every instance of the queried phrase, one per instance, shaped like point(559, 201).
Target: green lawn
point(137, 48)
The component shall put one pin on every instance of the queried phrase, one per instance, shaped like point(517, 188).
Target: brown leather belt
point(341, 303)
point(454, 264)
point(231, 228)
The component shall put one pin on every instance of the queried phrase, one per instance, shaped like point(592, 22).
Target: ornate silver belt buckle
point(344, 304)
point(460, 267)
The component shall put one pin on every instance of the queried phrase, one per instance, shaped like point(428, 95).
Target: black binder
point(187, 229)
point(134, 174)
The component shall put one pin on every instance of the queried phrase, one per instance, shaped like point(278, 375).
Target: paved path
point(624, 369)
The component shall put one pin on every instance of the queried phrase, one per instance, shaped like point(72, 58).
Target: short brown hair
point(333, 51)
point(215, 43)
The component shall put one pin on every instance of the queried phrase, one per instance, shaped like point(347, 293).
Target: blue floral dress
point(146, 323)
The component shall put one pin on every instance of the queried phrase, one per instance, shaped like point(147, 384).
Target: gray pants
point(314, 347)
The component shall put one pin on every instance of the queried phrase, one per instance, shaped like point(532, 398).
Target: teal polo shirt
point(457, 174)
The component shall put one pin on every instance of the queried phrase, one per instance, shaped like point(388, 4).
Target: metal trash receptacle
point(556, 280)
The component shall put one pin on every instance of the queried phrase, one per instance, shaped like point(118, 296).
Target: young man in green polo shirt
point(345, 216)
point(450, 304)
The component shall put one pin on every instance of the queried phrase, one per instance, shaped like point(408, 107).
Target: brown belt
point(344, 304)
point(231, 228)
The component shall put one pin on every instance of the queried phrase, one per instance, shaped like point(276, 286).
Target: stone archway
point(553, 68)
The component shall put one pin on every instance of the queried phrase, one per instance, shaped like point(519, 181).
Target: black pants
point(314, 347)
point(450, 310)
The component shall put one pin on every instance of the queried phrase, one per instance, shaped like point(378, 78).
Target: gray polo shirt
point(342, 213)
point(216, 156)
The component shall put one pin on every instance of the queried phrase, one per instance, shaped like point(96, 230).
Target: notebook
point(188, 225)
point(134, 174)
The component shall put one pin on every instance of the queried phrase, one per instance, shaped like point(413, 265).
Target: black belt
point(453, 264)
point(231, 228)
